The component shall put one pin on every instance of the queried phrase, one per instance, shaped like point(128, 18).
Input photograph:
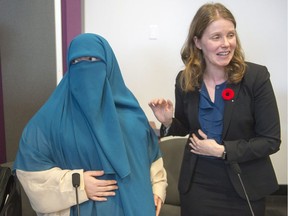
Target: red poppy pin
point(228, 94)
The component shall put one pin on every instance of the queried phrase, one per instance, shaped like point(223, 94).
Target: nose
point(225, 42)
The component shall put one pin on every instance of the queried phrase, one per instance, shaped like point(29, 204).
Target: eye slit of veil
point(86, 58)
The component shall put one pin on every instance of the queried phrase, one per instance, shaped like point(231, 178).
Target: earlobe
point(196, 41)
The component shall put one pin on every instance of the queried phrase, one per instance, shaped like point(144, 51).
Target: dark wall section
point(28, 63)
point(2, 128)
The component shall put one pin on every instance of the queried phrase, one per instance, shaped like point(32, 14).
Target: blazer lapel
point(194, 103)
point(229, 107)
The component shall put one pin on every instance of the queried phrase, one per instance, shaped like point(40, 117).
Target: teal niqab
point(92, 121)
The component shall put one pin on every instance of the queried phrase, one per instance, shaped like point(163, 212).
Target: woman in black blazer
point(228, 108)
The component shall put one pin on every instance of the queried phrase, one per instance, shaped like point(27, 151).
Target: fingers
point(158, 208)
point(97, 189)
point(102, 196)
point(107, 184)
point(157, 102)
point(196, 145)
point(195, 141)
point(99, 199)
point(102, 183)
point(96, 173)
point(102, 193)
point(193, 144)
point(106, 187)
point(158, 204)
point(163, 110)
point(169, 102)
point(205, 146)
point(202, 134)
point(153, 102)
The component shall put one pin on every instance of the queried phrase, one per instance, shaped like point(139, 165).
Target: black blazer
point(251, 132)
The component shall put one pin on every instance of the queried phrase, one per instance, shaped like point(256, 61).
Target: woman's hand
point(163, 110)
point(98, 190)
point(205, 146)
point(158, 204)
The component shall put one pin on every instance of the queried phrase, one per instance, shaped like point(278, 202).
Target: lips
point(223, 53)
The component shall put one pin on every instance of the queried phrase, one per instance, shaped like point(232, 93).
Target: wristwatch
point(224, 155)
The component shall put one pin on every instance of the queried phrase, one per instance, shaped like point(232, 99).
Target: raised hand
point(163, 110)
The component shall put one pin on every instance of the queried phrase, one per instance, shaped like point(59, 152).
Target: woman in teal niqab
point(93, 122)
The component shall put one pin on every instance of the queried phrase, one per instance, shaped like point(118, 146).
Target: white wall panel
point(149, 66)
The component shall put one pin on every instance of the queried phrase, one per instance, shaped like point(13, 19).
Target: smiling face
point(217, 43)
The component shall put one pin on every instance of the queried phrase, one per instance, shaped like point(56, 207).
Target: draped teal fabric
point(93, 122)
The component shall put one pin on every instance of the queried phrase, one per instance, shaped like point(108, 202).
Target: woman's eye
point(75, 61)
point(93, 59)
point(231, 35)
point(90, 59)
point(216, 37)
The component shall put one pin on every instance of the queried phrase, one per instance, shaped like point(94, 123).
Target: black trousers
point(212, 194)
